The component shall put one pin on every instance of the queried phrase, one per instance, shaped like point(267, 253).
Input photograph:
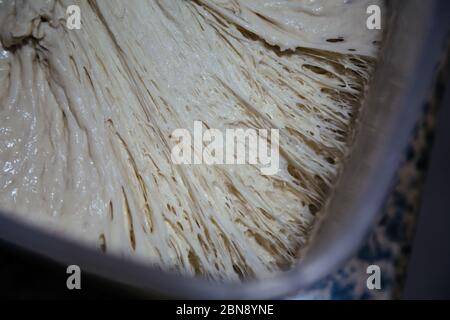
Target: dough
point(86, 118)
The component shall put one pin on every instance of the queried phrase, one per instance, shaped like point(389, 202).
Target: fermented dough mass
point(86, 117)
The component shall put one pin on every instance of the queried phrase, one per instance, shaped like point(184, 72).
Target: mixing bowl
point(414, 42)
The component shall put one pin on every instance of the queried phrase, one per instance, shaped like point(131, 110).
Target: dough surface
point(86, 118)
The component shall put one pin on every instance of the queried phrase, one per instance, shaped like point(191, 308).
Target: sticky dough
point(86, 118)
